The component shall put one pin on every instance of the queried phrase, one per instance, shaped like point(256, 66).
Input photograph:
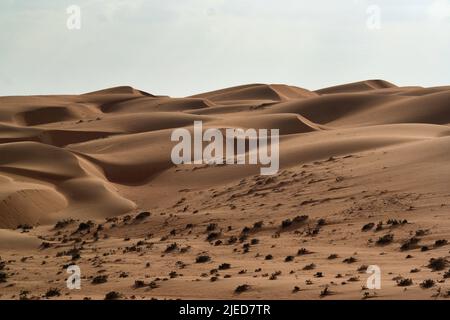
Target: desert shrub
point(245, 230)
point(24, 227)
point(275, 275)
point(325, 292)
point(289, 259)
point(421, 232)
point(100, 279)
point(386, 239)
point(171, 247)
point(212, 236)
point(395, 222)
point(437, 264)
point(211, 227)
point(404, 282)
point(368, 226)
point(113, 295)
point(139, 284)
point(202, 259)
point(440, 243)
point(258, 225)
point(63, 223)
point(142, 215)
point(242, 288)
point(349, 260)
point(410, 244)
point(303, 251)
point(232, 240)
point(426, 284)
point(310, 266)
point(224, 266)
point(286, 223)
point(303, 218)
point(84, 226)
point(2, 264)
point(52, 292)
point(362, 268)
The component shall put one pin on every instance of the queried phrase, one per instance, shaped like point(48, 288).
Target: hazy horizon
point(183, 48)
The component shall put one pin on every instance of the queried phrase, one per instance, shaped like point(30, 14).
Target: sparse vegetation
point(258, 225)
point(3, 277)
point(113, 295)
point(362, 268)
point(61, 224)
point(440, 243)
point(224, 266)
point(368, 226)
point(100, 279)
point(303, 251)
point(297, 220)
point(385, 240)
point(349, 260)
point(310, 266)
point(211, 227)
point(410, 244)
point(139, 284)
point(289, 259)
point(202, 259)
point(141, 216)
point(404, 282)
point(437, 264)
point(212, 236)
point(325, 292)
point(52, 292)
point(242, 288)
point(395, 222)
point(25, 227)
point(286, 223)
point(171, 247)
point(275, 275)
point(426, 284)
point(85, 227)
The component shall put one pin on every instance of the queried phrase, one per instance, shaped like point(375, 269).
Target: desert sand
point(364, 180)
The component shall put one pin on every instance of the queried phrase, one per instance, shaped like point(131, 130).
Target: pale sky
point(183, 47)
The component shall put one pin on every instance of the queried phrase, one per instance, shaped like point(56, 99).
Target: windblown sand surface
point(364, 180)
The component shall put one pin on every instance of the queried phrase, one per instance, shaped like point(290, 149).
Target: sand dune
point(367, 85)
point(350, 155)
